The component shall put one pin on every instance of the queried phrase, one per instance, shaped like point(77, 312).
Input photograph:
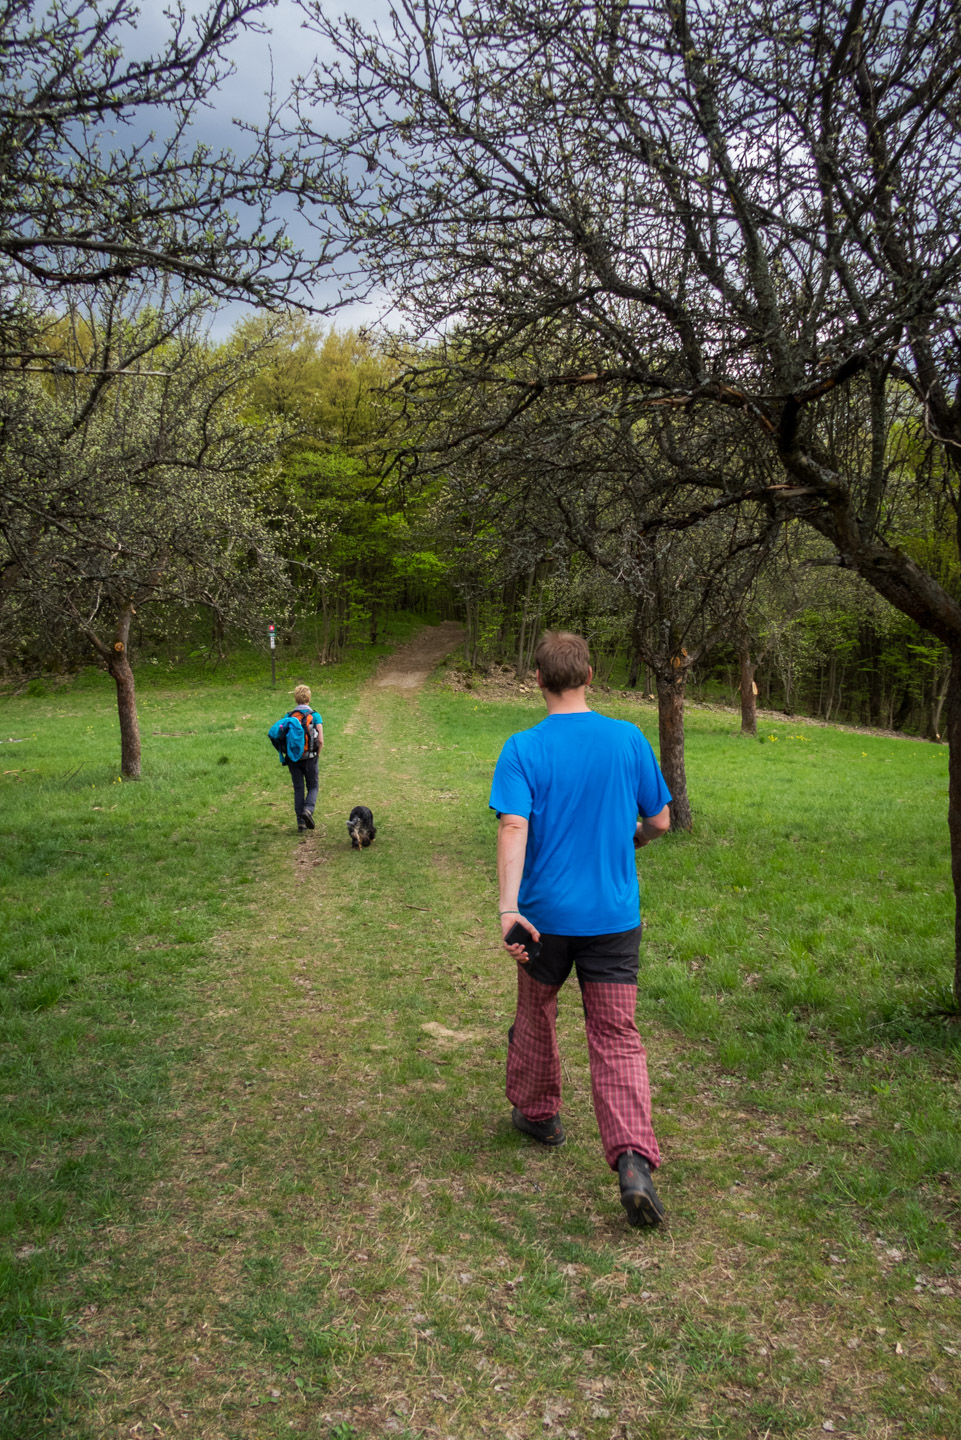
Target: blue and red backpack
point(296, 735)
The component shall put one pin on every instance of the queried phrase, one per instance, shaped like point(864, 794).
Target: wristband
point(508, 912)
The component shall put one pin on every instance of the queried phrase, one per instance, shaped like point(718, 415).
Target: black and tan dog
point(361, 827)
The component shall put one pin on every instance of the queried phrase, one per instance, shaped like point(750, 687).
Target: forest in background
point(353, 543)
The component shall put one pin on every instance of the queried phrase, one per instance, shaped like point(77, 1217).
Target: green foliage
point(373, 549)
point(361, 546)
point(125, 490)
point(328, 382)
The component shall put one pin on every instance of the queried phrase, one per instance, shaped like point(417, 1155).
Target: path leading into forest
point(410, 665)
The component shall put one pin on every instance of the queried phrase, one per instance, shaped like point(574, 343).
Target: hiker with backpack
point(299, 736)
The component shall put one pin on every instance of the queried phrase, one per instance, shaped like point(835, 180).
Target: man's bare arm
point(652, 827)
point(511, 850)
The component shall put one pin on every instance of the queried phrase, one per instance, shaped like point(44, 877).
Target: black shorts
point(604, 959)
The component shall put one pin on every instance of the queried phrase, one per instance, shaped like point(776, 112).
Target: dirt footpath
point(408, 667)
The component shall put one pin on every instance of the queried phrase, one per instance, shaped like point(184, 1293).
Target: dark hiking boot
point(301, 827)
point(638, 1195)
point(547, 1132)
point(309, 819)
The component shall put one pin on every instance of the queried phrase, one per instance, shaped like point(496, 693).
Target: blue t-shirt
point(581, 781)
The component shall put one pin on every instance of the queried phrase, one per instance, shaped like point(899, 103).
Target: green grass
point(247, 1193)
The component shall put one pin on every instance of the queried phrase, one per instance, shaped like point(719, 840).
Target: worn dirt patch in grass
point(410, 664)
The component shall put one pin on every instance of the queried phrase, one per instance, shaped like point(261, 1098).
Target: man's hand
point(518, 951)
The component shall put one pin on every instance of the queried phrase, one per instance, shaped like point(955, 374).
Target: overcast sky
point(289, 50)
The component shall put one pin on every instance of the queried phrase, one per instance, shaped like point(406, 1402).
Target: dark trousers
point(305, 775)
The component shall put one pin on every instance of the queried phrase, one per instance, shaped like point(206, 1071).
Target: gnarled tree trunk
point(521, 667)
point(670, 726)
point(122, 671)
point(634, 669)
point(748, 691)
point(939, 695)
point(118, 664)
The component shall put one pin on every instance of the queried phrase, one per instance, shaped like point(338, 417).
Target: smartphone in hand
point(519, 934)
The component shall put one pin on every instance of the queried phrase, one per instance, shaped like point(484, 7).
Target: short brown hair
point(302, 694)
point(563, 660)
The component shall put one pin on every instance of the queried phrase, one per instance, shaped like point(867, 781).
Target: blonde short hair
point(302, 694)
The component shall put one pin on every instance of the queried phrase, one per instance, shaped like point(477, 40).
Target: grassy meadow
point(258, 1172)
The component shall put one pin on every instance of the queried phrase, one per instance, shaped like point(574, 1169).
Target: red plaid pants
point(619, 1084)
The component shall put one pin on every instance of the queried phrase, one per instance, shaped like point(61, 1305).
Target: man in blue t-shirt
point(568, 794)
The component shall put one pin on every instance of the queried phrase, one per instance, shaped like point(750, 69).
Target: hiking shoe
point(638, 1195)
point(548, 1132)
point(309, 819)
point(301, 827)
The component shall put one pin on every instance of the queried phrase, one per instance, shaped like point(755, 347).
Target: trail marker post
point(273, 658)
